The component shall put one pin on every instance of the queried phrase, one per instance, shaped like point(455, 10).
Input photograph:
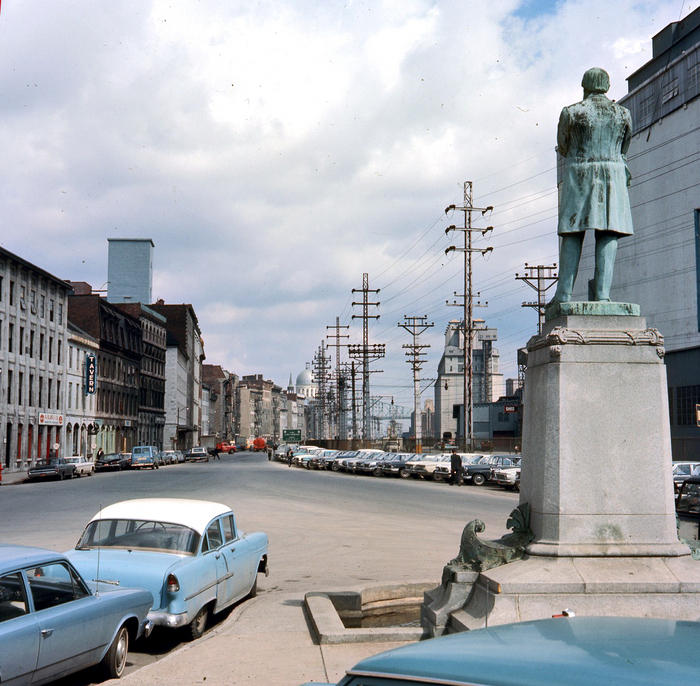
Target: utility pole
point(354, 404)
point(320, 368)
point(366, 352)
point(468, 295)
point(541, 278)
point(414, 352)
point(340, 414)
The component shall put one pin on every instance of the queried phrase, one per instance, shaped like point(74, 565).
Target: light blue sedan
point(574, 651)
point(53, 624)
point(189, 554)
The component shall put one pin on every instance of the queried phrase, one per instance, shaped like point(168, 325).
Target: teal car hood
point(574, 651)
point(133, 569)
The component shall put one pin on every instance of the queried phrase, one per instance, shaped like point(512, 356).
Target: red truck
point(225, 447)
point(259, 445)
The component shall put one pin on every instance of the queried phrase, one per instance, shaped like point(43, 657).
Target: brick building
point(118, 335)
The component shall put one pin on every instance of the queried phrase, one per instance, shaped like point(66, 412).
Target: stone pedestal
point(596, 440)
point(596, 473)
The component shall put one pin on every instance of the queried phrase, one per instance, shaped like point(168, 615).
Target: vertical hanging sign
point(90, 374)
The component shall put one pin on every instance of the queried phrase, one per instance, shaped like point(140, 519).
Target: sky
point(276, 151)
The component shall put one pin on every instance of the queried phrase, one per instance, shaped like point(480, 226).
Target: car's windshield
point(139, 534)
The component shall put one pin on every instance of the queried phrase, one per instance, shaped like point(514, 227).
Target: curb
point(329, 628)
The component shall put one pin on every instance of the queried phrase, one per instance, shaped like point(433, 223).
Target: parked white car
point(425, 468)
point(83, 466)
point(508, 477)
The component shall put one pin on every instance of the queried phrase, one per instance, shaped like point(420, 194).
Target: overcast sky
point(275, 151)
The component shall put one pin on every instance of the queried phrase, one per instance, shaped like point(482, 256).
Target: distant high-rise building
point(130, 270)
point(487, 383)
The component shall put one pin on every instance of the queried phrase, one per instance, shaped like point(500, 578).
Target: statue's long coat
point(593, 137)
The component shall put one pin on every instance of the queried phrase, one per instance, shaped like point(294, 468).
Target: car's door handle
point(218, 555)
point(45, 633)
point(232, 548)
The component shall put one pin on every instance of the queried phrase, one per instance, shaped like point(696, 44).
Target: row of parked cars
point(138, 564)
point(140, 457)
point(477, 468)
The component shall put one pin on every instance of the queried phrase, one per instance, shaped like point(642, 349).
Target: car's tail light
point(172, 584)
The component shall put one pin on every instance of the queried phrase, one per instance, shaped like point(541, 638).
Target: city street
point(327, 530)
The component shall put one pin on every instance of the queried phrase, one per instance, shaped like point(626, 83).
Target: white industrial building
point(487, 384)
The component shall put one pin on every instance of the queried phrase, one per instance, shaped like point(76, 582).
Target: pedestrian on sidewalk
point(456, 476)
point(289, 457)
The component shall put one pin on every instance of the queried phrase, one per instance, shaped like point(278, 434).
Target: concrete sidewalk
point(266, 641)
point(12, 478)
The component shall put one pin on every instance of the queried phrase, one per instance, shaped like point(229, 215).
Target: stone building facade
point(222, 397)
point(183, 376)
point(33, 335)
point(80, 397)
point(151, 412)
point(255, 409)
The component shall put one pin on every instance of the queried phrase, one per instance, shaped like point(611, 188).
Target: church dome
point(304, 378)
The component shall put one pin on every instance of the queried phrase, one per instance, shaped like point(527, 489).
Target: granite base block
point(539, 587)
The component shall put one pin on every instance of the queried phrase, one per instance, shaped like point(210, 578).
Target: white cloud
point(275, 151)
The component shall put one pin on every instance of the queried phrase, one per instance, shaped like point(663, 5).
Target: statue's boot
point(605, 252)
point(569, 257)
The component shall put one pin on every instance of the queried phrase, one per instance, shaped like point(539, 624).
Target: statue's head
point(596, 80)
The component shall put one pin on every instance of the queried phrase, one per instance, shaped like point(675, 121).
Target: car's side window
point(13, 601)
point(53, 584)
point(229, 528)
point(214, 535)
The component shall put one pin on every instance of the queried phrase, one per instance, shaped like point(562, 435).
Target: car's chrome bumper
point(146, 628)
point(172, 621)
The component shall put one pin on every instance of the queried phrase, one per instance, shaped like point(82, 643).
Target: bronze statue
point(593, 136)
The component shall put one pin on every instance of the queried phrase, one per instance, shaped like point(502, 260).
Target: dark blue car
point(53, 624)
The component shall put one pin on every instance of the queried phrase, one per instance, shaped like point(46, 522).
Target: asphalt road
point(327, 530)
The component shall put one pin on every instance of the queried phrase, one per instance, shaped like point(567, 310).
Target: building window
point(31, 390)
point(42, 305)
point(58, 395)
point(50, 350)
point(10, 337)
point(70, 357)
point(59, 352)
point(9, 386)
point(41, 391)
point(31, 343)
point(693, 77)
point(32, 300)
point(48, 399)
point(20, 347)
point(12, 293)
point(646, 108)
point(686, 399)
point(669, 90)
point(60, 313)
point(0, 289)
point(20, 386)
point(41, 347)
point(51, 305)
